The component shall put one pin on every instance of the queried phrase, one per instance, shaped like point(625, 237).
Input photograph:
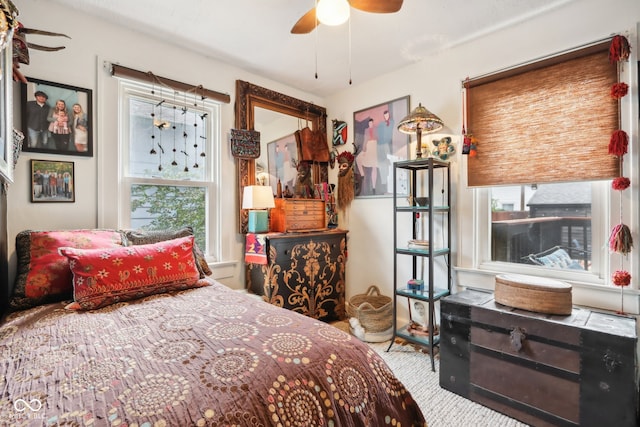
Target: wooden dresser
point(544, 370)
point(304, 272)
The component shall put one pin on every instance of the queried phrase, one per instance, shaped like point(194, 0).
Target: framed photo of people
point(52, 181)
point(56, 118)
point(380, 144)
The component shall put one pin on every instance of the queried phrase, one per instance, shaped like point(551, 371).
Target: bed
point(204, 355)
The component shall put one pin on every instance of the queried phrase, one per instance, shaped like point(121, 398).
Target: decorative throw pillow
point(145, 237)
point(108, 275)
point(43, 275)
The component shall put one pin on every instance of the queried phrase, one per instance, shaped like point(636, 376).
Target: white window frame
point(128, 89)
point(475, 269)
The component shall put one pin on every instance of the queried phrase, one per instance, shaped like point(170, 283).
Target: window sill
point(592, 293)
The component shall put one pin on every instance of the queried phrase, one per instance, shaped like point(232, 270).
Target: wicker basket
point(374, 311)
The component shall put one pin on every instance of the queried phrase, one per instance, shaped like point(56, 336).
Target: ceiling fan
point(309, 20)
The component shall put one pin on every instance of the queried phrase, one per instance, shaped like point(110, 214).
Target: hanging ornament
point(621, 278)
point(195, 128)
point(185, 135)
point(619, 143)
point(153, 119)
point(618, 90)
point(619, 49)
point(203, 116)
point(620, 240)
point(621, 183)
point(160, 124)
point(175, 130)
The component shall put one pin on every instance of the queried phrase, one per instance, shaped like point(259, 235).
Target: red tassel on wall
point(620, 240)
point(619, 49)
point(619, 143)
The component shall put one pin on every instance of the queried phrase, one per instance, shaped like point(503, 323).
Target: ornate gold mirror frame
point(250, 96)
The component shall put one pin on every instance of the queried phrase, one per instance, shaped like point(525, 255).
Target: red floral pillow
point(43, 274)
point(109, 275)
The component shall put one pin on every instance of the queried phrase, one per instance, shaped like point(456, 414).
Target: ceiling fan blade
point(377, 6)
point(306, 24)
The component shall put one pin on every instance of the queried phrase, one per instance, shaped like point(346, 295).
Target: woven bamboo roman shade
point(549, 121)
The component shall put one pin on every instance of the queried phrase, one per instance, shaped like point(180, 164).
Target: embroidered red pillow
point(43, 274)
point(109, 275)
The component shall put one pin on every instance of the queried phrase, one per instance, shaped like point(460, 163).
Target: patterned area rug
point(440, 407)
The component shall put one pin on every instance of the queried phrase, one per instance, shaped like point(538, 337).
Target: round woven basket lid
point(533, 282)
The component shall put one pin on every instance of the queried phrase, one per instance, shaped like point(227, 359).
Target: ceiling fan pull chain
point(316, 18)
point(349, 49)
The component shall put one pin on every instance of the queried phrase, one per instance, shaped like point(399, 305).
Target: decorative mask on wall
point(346, 189)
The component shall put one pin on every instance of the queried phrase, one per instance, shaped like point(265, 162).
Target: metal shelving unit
point(421, 175)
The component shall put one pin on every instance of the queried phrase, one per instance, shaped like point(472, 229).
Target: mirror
point(257, 106)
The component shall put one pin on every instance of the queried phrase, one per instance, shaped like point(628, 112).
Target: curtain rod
point(586, 49)
point(149, 77)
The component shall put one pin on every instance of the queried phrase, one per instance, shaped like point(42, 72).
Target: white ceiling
point(255, 34)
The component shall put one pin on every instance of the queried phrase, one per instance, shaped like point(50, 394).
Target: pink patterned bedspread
point(202, 357)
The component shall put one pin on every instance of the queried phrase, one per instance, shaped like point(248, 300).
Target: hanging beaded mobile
point(195, 127)
point(203, 116)
point(160, 124)
point(185, 135)
point(173, 162)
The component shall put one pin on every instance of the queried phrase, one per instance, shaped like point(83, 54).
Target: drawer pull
point(516, 337)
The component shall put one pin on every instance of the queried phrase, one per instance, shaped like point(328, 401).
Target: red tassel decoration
point(620, 240)
point(618, 143)
point(618, 90)
point(621, 183)
point(621, 278)
point(619, 49)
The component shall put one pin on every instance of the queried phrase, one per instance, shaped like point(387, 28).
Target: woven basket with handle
point(373, 310)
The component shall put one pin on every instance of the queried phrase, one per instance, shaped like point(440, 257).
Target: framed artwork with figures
point(56, 118)
point(380, 144)
point(282, 157)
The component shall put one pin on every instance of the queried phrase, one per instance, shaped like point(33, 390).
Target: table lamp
point(420, 119)
point(257, 199)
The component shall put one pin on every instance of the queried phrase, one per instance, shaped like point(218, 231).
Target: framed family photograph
point(52, 181)
point(56, 118)
point(380, 144)
point(282, 157)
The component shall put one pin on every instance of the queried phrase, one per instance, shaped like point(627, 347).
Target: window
point(545, 225)
point(545, 207)
point(168, 161)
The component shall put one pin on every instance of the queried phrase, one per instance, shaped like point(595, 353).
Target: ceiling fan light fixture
point(333, 12)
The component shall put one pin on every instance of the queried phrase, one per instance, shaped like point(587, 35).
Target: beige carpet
point(440, 407)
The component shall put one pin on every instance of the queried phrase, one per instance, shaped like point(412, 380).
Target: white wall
point(436, 83)
point(81, 64)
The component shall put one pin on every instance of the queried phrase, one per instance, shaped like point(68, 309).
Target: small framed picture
point(52, 181)
point(419, 314)
point(56, 118)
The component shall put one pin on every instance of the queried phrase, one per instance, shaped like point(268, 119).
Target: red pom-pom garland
point(618, 90)
point(621, 183)
point(618, 143)
point(621, 278)
point(619, 49)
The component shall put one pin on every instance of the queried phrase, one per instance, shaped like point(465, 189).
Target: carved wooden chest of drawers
point(544, 370)
point(304, 272)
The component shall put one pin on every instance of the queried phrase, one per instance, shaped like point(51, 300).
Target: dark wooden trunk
point(544, 370)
